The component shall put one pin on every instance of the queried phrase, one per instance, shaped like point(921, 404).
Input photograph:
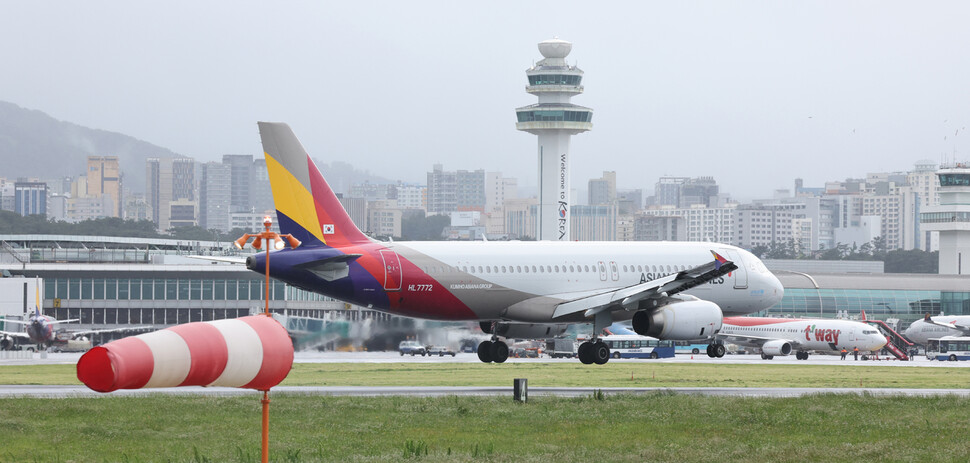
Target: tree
point(417, 227)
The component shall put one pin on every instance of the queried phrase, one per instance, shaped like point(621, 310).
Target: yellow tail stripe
point(292, 198)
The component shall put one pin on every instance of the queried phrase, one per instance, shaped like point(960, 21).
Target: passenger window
point(533, 269)
point(557, 269)
point(503, 269)
point(549, 268)
point(488, 269)
point(541, 269)
point(518, 268)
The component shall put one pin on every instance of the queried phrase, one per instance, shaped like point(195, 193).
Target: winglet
point(719, 260)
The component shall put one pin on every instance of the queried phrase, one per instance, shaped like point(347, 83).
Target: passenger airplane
point(921, 331)
point(782, 336)
point(515, 289)
point(39, 329)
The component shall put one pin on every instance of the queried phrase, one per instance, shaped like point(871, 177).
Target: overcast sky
point(752, 93)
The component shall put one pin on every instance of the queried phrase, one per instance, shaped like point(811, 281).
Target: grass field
point(651, 427)
point(614, 374)
point(623, 428)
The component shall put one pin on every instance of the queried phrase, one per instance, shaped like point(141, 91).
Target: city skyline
point(706, 89)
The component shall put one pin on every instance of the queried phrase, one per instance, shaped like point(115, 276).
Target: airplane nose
point(775, 288)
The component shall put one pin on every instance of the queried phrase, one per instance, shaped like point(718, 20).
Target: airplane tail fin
point(306, 207)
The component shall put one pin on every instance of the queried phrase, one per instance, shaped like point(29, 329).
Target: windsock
point(249, 352)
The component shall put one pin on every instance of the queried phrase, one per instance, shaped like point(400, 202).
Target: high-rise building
point(442, 191)
point(554, 120)
point(215, 196)
point(170, 185)
point(30, 198)
point(762, 225)
point(104, 178)
point(603, 190)
point(241, 173)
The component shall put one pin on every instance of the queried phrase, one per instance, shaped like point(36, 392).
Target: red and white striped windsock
point(250, 352)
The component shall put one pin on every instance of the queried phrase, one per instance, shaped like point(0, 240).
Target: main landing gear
point(801, 355)
point(493, 351)
point(595, 351)
point(716, 350)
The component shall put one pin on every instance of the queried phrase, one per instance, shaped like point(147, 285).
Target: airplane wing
point(953, 326)
point(663, 287)
point(51, 322)
point(14, 334)
point(225, 259)
point(75, 334)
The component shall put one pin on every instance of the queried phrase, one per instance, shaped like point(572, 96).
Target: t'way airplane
point(782, 336)
point(515, 289)
point(921, 331)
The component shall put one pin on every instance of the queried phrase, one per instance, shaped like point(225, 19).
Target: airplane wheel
point(601, 353)
point(719, 350)
point(641, 322)
point(710, 350)
point(485, 351)
point(500, 352)
point(766, 356)
point(585, 355)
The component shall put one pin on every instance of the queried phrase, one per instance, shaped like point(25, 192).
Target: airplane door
point(602, 271)
point(392, 270)
point(614, 271)
point(741, 274)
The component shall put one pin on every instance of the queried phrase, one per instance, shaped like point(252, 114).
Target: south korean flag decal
point(328, 229)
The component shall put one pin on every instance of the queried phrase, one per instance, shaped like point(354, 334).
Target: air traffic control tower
point(952, 219)
point(554, 119)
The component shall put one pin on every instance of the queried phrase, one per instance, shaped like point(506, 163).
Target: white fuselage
point(921, 331)
point(524, 281)
point(818, 335)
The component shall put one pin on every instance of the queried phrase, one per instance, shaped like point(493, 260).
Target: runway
point(68, 392)
point(395, 357)
point(9, 391)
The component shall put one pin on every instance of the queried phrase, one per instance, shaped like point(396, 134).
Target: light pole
point(266, 235)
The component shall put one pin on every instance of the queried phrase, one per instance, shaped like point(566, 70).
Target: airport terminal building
point(108, 282)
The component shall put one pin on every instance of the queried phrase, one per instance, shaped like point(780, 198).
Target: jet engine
point(776, 347)
point(680, 321)
point(524, 330)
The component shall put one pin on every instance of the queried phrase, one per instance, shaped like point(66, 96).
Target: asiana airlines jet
point(515, 289)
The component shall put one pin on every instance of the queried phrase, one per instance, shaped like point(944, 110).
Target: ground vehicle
point(950, 348)
point(441, 351)
point(688, 347)
point(412, 348)
point(634, 346)
point(525, 352)
point(561, 348)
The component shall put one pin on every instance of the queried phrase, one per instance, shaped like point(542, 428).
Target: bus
point(950, 348)
point(634, 346)
point(689, 347)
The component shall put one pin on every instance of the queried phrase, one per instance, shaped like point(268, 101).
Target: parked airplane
point(782, 336)
point(42, 330)
point(515, 289)
point(39, 329)
point(936, 327)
